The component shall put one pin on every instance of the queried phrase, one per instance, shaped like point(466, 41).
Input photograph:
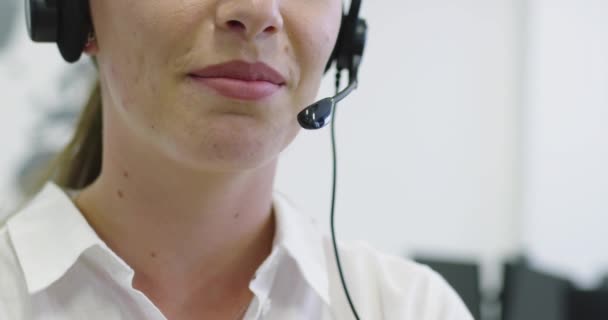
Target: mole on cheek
point(125, 174)
point(153, 254)
point(120, 194)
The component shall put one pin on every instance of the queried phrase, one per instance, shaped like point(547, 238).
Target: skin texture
point(185, 192)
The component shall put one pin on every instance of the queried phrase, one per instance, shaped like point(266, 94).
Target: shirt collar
point(299, 235)
point(49, 235)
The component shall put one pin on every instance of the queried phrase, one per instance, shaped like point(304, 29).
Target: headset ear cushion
point(73, 28)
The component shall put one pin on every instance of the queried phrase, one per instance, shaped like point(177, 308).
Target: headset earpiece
point(351, 42)
point(74, 26)
point(66, 22)
point(41, 20)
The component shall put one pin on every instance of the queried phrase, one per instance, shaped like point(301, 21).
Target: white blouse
point(54, 266)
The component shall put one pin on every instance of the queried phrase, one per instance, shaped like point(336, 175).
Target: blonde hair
point(79, 163)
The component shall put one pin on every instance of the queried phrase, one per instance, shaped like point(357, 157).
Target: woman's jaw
point(215, 84)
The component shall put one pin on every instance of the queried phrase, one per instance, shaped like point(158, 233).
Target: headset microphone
point(318, 114)
point(347, 55)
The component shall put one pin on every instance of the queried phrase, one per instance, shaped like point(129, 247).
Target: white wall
point(427, 145)
point(566, 130)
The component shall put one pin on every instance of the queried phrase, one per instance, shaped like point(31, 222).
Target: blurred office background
point(477, 142)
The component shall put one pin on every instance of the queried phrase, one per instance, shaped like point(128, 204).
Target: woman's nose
point(250, 18)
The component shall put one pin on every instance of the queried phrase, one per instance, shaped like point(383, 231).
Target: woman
point(176, 218)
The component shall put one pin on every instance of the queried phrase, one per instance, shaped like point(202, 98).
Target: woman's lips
point(240, 80)
point(239, 89)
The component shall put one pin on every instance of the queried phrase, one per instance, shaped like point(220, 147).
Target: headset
point(68, 23)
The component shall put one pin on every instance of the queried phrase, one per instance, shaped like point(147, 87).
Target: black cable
point(333, 200)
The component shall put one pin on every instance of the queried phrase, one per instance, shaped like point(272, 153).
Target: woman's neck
point(181, 233)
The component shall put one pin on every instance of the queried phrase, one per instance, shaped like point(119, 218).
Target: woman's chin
point(226, 161)
point(233, 149)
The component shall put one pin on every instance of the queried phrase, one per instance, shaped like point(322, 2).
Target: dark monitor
point(588, 305)
point(532, 295)
point(463, 277)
